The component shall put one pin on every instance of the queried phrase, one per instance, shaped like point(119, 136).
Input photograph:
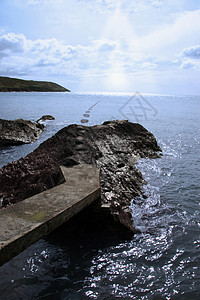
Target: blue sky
point(150, 46)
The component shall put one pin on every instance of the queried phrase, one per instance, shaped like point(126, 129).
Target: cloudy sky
point(150, 46)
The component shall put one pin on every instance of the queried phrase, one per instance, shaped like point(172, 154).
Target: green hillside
point(18, 85)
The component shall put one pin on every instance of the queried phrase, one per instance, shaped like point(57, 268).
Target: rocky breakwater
point(114, 147)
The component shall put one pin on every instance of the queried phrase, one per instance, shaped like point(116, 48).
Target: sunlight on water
point(151, 265)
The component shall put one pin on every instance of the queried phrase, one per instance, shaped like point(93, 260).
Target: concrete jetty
point(23, 223)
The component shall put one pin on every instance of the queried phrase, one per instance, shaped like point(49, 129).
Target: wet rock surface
point(45, 118)
point(114, 147)
point(17, 132)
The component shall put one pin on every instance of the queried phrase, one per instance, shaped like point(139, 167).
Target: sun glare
point(119, 29)
point(120, 70)
point(117, 81)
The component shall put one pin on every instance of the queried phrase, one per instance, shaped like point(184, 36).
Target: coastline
point(8, 84)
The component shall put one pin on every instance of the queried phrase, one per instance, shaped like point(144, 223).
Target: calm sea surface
point(163, 262)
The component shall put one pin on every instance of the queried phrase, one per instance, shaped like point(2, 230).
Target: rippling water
point(87, 260)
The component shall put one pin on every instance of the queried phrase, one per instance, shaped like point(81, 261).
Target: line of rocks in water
point(86, 115)
point(114, 147)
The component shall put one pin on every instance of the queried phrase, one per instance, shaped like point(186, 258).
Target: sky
point(148, 46)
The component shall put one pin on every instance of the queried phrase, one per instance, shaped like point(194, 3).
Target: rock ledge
point(114, 147)
point(17, 132)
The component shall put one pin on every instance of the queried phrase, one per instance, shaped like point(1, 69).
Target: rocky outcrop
point(114, 147)
point(45, 118)
point(17, 132)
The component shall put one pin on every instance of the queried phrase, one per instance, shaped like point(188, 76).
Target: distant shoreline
point(8, 84)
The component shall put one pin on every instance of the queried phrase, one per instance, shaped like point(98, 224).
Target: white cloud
point(102, 56)
point(193, 52)
point(133, 6)
point(50, 55)
point(105, 45)
point(190, 58)
point(187, 65)
point(113, 56)
point(12, 43)
point(39, 2)
point(149, 65)
point(26, 56)
point(170, 39)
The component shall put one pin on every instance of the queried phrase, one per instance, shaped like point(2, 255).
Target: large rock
point(45, 118)
point(19, 132)
point(114, 147)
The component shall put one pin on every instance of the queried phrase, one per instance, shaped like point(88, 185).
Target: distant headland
point(8, 84)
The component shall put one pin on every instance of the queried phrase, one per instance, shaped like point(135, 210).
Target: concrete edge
point(20, 242)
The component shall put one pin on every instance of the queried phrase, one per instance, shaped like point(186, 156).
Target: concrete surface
point(25, 222)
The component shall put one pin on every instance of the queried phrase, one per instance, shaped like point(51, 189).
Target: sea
point(91, 262)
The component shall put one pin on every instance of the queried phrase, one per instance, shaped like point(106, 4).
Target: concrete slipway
point(23, 223)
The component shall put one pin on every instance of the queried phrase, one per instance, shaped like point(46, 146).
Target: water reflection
point(57, 266)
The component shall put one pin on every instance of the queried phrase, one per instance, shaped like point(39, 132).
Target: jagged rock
point(28, 176)
point(45, 118)
point(17, 132)
point(114, 147)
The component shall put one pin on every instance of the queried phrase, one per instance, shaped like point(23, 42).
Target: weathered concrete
point(26, 222)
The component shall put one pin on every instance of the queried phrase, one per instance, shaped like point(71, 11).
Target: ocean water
point(93, 262)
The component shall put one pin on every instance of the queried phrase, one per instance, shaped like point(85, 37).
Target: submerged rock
point(114, 147)
point(17, 132)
